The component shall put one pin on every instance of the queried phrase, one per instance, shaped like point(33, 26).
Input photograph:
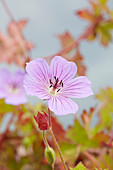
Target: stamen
point(55, 85)
point(50, 81)
point(60, 82)
point(58, 90)
point(50, 86)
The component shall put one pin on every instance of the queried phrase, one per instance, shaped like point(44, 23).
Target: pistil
point(55, 86)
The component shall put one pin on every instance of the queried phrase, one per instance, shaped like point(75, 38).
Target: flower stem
point(49, 115)
point(54, 139)
point(7, 10)
point(58, 148)
point(45, 141)
point(53, 167)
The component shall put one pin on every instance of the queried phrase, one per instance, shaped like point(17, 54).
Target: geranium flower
point(11, 87)
point(56, 84)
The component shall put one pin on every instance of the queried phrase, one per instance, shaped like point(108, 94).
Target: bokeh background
point(51, 17)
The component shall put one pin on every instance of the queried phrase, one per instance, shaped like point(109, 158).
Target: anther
point(50, 86)
point(60, 82)
point(55, 77)
point(58, 90)
point(50, 81)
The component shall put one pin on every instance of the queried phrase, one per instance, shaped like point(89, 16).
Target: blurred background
point(50, 18)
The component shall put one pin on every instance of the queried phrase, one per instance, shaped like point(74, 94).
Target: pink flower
point(11, 87)
point(56, 84)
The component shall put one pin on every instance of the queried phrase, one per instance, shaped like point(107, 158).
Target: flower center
point(55, 86)
point(14, 88)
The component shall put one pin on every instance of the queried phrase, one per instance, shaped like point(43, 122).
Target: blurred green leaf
point(79, 135)
point(105, 35)
point(4, 108)
point(70, 151)
point(105, 94)
point(80, 166)
point(28, 141)
point(106, 109)
point(103, 2)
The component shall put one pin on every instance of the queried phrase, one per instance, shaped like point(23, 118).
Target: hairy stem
point(58, 148)
point(54, 139)
point(49, 115)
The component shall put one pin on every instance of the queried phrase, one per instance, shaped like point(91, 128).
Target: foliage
point(80, 166)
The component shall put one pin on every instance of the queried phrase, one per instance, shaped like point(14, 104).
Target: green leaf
point(79, 135)
point(104, 31)
point(80, 166)
point(105, 94)
point(5, 107)
point(70, 151)
point(107, 25)
point(103, 2)
point(106, 110)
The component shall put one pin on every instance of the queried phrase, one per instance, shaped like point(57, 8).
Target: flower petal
point(62, 106)
point(3, 93)
point(34, 89)
point(77, 88)
point(38, 70)
point(4, 76)
point(62, 69)
point(16, 99)
point(18, 77)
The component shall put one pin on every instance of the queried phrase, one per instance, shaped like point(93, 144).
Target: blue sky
point(50, 17)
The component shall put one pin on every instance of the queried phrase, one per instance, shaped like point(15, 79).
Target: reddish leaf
point(58, 130)
point(78, 59)
point(87, 116)
point(66, 39)
point(85, 14)
point(14, 47)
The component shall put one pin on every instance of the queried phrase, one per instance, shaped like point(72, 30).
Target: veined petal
point(38, 69)
point(77, 88)
point(62, 106)
point(34, 89)
point(62, 69)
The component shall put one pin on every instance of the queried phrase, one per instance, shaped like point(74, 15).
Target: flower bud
point(50, 155)
point(42, 120)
